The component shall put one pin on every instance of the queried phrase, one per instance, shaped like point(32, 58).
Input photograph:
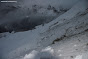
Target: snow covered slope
point(35, 12)
point(66, 37)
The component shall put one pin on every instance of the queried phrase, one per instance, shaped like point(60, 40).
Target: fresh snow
point(79, 57)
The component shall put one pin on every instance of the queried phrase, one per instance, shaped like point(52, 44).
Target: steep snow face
point(66, 37)
point(67, 23)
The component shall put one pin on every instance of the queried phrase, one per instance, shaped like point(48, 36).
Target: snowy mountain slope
point(67, 23)
point(34, 11)
point(74, 47)
point(70, 26)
